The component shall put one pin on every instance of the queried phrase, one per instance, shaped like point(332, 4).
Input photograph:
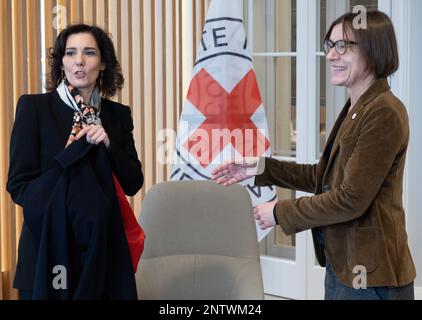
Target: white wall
point(414, 180)
point(407, 85)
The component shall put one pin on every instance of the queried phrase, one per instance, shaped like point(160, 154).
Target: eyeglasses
point(340, 45)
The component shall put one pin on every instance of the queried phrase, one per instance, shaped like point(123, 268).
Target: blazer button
point(325, 189)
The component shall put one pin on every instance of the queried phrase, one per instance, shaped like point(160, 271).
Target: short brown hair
point(377, 42)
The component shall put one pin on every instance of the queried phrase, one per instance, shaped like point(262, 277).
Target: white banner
point(223, 117)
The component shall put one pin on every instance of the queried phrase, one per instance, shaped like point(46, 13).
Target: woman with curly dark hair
point(72, 159)
point(109, 81)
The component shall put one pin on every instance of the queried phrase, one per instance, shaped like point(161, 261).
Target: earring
point(101, 79)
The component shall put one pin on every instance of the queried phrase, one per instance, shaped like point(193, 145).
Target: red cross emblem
point(228, 118)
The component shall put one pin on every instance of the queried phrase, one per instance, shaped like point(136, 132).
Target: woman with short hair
point(356, 215)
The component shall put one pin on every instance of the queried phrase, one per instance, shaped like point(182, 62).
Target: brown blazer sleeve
point(289, 175)
point(378, 148)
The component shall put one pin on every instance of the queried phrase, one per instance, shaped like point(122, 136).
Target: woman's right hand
point(233, 172)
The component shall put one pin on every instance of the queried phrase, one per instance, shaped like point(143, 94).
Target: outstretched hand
point(233, 172)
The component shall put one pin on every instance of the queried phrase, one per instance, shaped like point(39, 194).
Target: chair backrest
point(201, 243)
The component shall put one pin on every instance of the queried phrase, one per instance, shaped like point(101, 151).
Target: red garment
point(134, 234)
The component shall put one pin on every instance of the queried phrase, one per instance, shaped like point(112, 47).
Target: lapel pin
point(354, 116)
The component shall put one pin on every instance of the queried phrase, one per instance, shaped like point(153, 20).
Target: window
point(274, 47)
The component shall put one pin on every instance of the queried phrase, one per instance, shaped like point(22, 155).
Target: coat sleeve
point(24, 149)
point(289, 175)
point(124, 157)
point(382, 137)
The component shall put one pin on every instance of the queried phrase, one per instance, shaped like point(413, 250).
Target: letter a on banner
point(223, 117)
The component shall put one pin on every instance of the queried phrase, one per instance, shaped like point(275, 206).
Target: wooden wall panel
point(160, 86)
point(126, 50)
point(101, 12)
point(33, 54)
point(76, 11)
point(4, 107)
point(170, 62)
point(50, 22)
point(20, 84)
point(148, 92)
point(63, 13)
point(20, 60)
point(88, 8)
point(137, 22)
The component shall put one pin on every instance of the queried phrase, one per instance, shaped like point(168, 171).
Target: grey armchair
point(201, 244)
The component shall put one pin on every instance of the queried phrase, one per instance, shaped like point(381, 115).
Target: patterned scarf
point(84, 114)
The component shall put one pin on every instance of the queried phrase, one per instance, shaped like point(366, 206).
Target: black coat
point(73, 213)
point(42, 126)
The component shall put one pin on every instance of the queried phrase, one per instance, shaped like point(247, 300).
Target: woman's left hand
point(264, 214)
point(95, 134)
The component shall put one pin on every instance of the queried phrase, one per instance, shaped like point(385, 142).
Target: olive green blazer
point(358, 185)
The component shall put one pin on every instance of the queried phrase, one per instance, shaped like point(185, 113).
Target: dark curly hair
point(112, 78)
